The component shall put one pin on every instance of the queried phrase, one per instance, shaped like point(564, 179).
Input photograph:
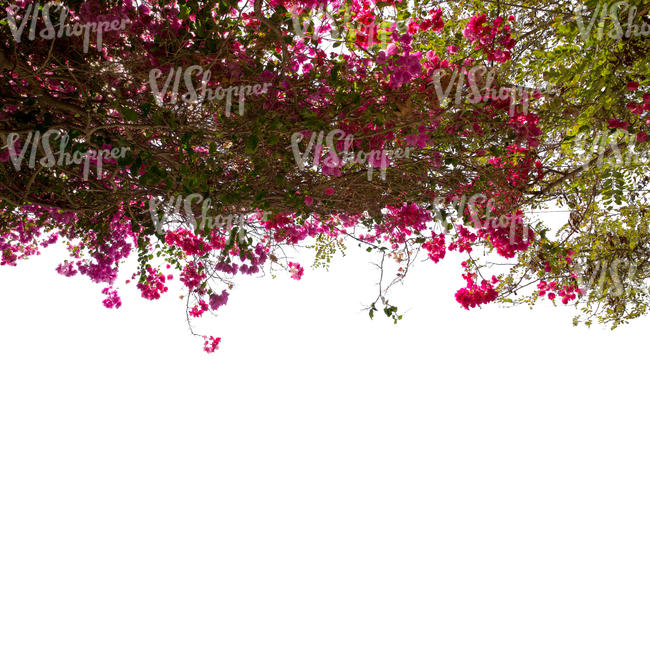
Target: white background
point(461, 480)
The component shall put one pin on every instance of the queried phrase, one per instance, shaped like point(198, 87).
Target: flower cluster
point(508, 234)
point(152, 285)
point(112, 299)
point(402, 221)
point(187, 241)
point(397, 60)
point(199, 309)
point(638, 107)
point(192, 276)
point(565, 291)
point(211, 343)
point(473, 295)
point(434, 23)
point(296, 270)
point(435, 247)
point(492, 38)
point(218, 300)
point(67, 269)
point(464, 240)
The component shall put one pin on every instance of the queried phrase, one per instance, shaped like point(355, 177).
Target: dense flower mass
point(474, 295)
point(435, 247)
point(207, 141)
point(152, 285)
point(491, 37)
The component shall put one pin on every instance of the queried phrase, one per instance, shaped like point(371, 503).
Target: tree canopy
point(211, 140)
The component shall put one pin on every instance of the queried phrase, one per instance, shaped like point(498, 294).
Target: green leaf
point(251, 143)
point(129, 113)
